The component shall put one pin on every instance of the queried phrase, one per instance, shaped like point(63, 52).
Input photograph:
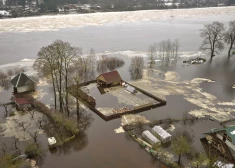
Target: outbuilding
point(23, 83)
point(22, 103)
point(160, 133)
point(109, 78)
point(150, 138)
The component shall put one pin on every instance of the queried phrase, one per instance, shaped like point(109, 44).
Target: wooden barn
point(22, 103)
point(23, 83)
point(109, 78)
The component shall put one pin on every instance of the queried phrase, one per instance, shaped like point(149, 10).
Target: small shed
point(223, 165)
point(109, 78)
point(150, 138)
point(22, 103)
point(23, 83)
point(160, 133)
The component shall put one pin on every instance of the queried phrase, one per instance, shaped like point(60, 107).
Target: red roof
point(22, 101)
point(111, 77)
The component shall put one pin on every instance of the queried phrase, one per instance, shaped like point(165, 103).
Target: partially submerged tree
point(229, 37)
point(3, 148)
point(165, 51)
point(180, 146)
point(53, 63)
point(152, 54)
point(212, 35)
point(136, 67)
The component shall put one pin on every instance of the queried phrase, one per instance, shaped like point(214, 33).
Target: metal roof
point(22, 80)
point(110, 77)
point(229, 130)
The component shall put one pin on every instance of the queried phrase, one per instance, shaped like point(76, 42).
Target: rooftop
point(110, 77)
point(21, 80)
point(22, 101)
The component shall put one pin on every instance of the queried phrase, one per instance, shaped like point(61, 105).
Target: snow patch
point(119, 130)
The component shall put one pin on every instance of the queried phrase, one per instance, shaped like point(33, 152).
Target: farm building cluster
point(115, 97)
point(22, 84)
point(157, 136)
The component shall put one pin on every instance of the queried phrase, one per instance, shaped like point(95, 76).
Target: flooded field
point(199, 90)
point(117, 100)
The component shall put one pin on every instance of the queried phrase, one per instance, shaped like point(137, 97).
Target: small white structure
point(150, 138)
point(4, 13)
point(160, 133)
point(130, 89)
point(223, 165)
point(52, 141)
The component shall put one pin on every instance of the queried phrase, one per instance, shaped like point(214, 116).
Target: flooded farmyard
point(199, 97)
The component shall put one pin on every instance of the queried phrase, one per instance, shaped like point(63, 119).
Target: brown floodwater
point(99, 146)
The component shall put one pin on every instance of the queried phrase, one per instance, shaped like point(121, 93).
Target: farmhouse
point(223, 139)
point(22, 103)
point(23, 83)
point(109, 78)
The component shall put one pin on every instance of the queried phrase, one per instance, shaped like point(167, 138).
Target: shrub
point(33, 151)
point(12, 114)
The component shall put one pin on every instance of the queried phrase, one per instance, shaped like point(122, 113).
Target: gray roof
point(22, 80)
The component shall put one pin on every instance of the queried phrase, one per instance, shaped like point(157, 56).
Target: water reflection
point(106, 63)
point(77, 144)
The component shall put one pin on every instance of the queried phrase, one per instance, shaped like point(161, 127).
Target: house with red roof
point(109, 79)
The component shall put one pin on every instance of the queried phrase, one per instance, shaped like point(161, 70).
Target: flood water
point(100, 146)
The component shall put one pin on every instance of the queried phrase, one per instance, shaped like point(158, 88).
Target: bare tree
point(3, 148)
point(229, 37)
point(34, 135)
point(136, 67)
point(53, 63)
point(5, 107)
point(213, 38)
point(22, 124)
point(15, 144)
point(40, 121)
point(152, 54)
point(31, 112)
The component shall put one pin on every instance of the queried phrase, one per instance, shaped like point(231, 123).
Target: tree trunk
point(179, 159)
point(230, 48)
point(66, 93)
point(53, 84)
point(78, 114)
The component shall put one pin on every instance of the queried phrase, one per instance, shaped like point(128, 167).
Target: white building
point(161, 134)
point(150, 138)
point(5, 13)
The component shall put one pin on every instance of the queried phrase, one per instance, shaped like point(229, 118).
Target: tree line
point(51, 5)
point(63, 65)
point(216, 37)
